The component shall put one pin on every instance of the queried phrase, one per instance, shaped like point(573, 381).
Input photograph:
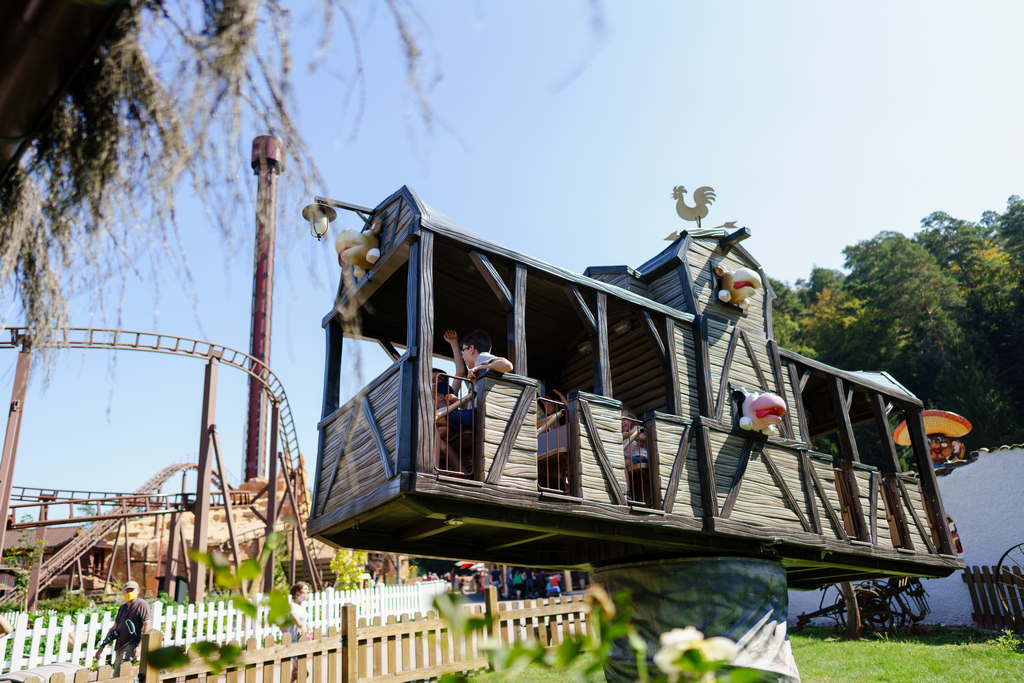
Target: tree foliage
point(940, 311)
point(167, 102)
point(347, 566)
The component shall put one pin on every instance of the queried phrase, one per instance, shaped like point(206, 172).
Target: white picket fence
point(61, 639)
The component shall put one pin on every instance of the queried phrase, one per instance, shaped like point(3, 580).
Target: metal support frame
point(197, 580)
point(37, 565)
point(268, 572)
point(10, 452)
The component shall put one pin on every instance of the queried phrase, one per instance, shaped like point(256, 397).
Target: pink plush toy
point(761, 412)
point(738, 286)
point(359, 249)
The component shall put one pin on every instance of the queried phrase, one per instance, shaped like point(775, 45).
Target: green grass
point(943, 655)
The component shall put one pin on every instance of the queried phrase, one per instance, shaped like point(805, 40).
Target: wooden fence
point(369, 651)
point(998, 600)
point(45, 639)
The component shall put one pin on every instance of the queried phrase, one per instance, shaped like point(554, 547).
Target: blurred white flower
point(717, 649)
point(678, 641)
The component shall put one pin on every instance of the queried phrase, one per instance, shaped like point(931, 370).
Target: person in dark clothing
point(530, 584)
point(130, 622)
point(542, 584)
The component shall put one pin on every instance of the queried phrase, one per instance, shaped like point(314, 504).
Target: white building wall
point(986, 501)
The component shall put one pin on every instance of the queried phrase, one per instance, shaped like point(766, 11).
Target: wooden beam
point(891, 498)
point(601, 455)
point(378, 438)
point(780, 388)
point(647, 323)
point(847, 444)
point(703, 358)
point(424, 529)
point(729, 241)
point(706, 471)
point(326, 493)
point(825, 503)
point(686, 277)
point(492, 279)
point(807, 485)
point(332, 369)
point(737, 479)
point(781, 481)
point(512, 428)
point(517, 321)
point(420, 343)
point(851, 489)
point(673, 391)
point(389, 349)
point(654, 457)
point(890, 460)
point(798, 402)
point(514, 538)
point(922, 528)
point(929, 487)
point(806, 375)
point(600, 347)
point(753, 361)
point(580, 306)
point(678, 467)
point(723, 380)
point(873, 507)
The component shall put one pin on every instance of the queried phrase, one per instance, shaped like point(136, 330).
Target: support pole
point(267, 163)
point(268, 572)
point(127, 550)
point(10, 452)
point(291, 563)
point(307, 559)
point(226, 492)
point(173, 553)
point(38, 547)
point(197, 580)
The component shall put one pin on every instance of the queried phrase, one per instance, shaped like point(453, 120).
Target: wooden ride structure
point(654, 338)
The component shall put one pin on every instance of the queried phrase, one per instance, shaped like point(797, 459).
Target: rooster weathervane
point(702, 199)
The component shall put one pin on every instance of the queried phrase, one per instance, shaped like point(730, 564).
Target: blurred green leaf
point(249, 570)
point(168, 658)
point(246, 607)
point(218, 561)
point(279, 607)
point(225, 579)
point(205, 648)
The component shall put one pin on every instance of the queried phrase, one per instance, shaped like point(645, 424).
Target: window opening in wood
point(638, 471)
point(552, 446)
point(454, 425)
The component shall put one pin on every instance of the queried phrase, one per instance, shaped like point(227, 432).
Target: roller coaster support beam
point(37, 566)
point(197, 578)
point(268, 572)
point(307, 558)
point(10, 452)
point(226, 492)
point(174, 551)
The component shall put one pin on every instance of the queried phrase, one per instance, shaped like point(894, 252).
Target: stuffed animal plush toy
point(359, 249)
point(738, 286)
point(761, 412)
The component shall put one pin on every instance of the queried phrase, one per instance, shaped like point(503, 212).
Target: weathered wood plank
point(581, 308)
point(599, 343)
point(706, 470)
point(737, 479)
point(493, 280)
point(790, 498)
point(378, 437)
point(337, 460)
point(512, 429)
point(723, 383)
point(517, 321)
point(602, 456)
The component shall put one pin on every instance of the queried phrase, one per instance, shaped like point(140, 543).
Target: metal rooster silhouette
point(702, 198)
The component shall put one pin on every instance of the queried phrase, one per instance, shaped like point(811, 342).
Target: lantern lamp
point(319, 217)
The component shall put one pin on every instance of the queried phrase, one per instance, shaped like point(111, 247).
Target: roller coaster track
point(126, 340)
point(91, 534)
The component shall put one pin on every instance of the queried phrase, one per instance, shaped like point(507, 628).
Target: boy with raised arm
point(472, 356)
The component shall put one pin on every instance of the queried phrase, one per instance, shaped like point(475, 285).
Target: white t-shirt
point(300, 617)
point(483, 358)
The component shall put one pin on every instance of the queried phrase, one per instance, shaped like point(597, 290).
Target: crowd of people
point(520, 583)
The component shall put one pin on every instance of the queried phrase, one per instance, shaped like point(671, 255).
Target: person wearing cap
point(130, 622)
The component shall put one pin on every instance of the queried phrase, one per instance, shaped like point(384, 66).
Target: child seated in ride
point(475, 354)
point(634, 440)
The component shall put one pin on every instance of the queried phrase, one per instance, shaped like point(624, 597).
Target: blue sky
point(818, 125)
